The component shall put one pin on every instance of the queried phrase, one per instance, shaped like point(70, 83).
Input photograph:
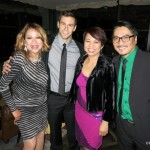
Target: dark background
point(11, 23)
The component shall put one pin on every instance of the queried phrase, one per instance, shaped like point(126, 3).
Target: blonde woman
point(28, 94)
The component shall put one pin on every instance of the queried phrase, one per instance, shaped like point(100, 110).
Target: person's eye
point(62, 23)
point(28, 37)
point(115, 38)
point(38, 37)
point(125, 37)
point(71, 25)
point(87, 41)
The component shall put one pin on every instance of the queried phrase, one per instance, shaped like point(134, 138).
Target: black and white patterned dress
point(28, 94)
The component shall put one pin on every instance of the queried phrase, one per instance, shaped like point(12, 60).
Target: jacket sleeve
point(109, 111)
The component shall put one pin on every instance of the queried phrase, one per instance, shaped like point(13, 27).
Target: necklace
point(35, 60)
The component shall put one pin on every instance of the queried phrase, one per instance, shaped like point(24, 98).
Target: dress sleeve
point(7, 79)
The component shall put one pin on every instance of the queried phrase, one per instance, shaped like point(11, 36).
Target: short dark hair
point(67, 13)
point(126, 24)
point(97, 33)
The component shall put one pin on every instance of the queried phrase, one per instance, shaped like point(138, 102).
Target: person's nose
point(120, 41)
point(34, 40)
point(91, 45)
point(66, 27)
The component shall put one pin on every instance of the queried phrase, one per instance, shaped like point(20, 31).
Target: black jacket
point(100, 87)
point(139, 95)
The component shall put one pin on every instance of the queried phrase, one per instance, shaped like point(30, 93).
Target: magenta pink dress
point(87, 123)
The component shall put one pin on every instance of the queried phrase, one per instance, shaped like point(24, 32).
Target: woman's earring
point(25, 49)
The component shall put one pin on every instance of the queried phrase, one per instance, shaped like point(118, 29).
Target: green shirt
point(126, 111)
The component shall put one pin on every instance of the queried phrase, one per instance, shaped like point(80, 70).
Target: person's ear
point(58, 24)
point(136, 39)
point(75, 27)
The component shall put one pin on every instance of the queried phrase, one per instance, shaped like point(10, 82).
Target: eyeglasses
point(125, 38)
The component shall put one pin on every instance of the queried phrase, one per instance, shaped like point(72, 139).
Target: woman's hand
point(103, 129)
point(17, 115)
point(6, 66)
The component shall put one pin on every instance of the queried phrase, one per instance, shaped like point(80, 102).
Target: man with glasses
point(133, 92)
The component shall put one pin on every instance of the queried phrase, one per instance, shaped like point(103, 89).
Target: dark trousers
point(128, 138)
point(57, 113)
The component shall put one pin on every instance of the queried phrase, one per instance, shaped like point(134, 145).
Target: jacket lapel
point(116, 61)
point(135, 71)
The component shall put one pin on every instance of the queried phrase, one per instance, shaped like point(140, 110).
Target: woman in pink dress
point(93, 91)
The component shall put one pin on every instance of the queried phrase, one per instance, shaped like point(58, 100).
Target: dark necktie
point(122, 85)
point(62, 75)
